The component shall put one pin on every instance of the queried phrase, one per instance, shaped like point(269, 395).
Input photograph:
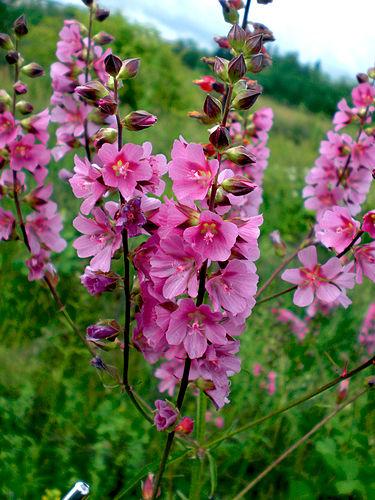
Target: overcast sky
point(339, 33)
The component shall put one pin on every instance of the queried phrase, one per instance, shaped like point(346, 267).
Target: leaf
point(213, 474)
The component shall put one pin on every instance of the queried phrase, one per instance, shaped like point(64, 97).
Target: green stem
point(198, 465)
point(296, 445)
point(244, 21)
point(287, 290)
point(297, 402)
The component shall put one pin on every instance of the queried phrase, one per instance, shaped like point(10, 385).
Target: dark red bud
point(212, 108)
point(92, 91)
point(112, 64)
point(101, 14)
point(12, 57)
point(236, 37)
point(240, 156)
point(33, 70)
point(221, 68)
point(220, 138)
point(230, 13)
point(237, 68)
point(245, 99)
point(20, 26)
point(129, 68)
point(239, 185)
point(103, 38)
point(107, 105)
point(139, 120)
point(256, 63)
point(253, 44)
point(88, 2)
point(362, 78)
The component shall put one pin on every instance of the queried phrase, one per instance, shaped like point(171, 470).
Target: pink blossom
point(99, 239)
point(344, 116)
point(165, 415)
point(263, 119)
point(234, 288)
point(369, 223)
point(71, 42)
point(131, 218)
point(63, 76)
point(213, 237)
point(257, 369)
point(7, 223)
point(194, 326)
point(328, 281)
point(365, 262)
point(337, 145)
point(271, 383)
point(176, 264)
point(363, 152)
point(363, 95)
point(37, 265)
point(123, 169)
point(24, 153)
point(71, 114)
point(367, 333)
point(38, 125)
point(43, 227)
point(338, 228)
point(8, 129)
point(158, 164)
point(192, 174)
point(85, 183)
point(297, 325)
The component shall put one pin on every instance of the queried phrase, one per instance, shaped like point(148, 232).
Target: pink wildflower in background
point(85, 183)
point(328, 281)
point(43, 227)
point(365, 262)
point(363, 95)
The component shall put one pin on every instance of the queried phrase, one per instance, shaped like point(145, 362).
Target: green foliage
point(62, 421)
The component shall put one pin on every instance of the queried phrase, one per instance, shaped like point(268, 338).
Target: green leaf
point(213, 474)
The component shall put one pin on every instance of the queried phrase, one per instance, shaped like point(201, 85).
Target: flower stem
point(356, 237)
point(245, 16)
point(198, 465)
point(297, 402)
point(297, 444)
point(287, 290)
point(86, 135)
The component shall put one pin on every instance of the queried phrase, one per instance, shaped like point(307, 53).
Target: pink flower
point(71, 114)
point(85, 183)
point(271, 383)
point(43, 227)
point(365, 262)
point(8, 130)
point(98, 282)
point(24, 153)
point(257, 369)
point(263, 119)
point(363, 95)
point(71, 41)
point(38, 125)
point(194, 326)
point(328, 280)
point(165, 415)
point(213, 237)
point(123, 169)
point(6, 223)
point(369, 223)
point(234, 288)
point(99, 240)
point(192, 174)
point(344, 116)
point(37, 265)
point(338, 228)
point(176, 264)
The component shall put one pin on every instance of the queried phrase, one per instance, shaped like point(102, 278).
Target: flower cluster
point(23, 158)
point(367, 333)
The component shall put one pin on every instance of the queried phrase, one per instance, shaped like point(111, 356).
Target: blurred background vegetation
point(61, 421)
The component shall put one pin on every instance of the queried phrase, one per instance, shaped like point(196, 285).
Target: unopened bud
point(256, 63)
point(362, 77)
point(5, 42)
point(220, 138)
point(103, 38)
point(20, 26)
point(245, 99)
point(5, 97)
point(253, 45)
point(24, 107)
point(221, 68)
point(186, 426)
point(20, 88)
point(91, 91)
point(238, 185)
point(236, 68)
point(148, 487)
point(107, 105)
point(105, 135)
point(129, 68)
point(279, 245)
point(12, 57)
point(33, 70)
point(371, 73)
point(212, 108)
point(105, 330)
point(88, 2)
point(101, 14)
point(50, 273)
point(240, 156)
point(139, 120)
point(112, 64)
point(230, 13)
point(236, 37)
